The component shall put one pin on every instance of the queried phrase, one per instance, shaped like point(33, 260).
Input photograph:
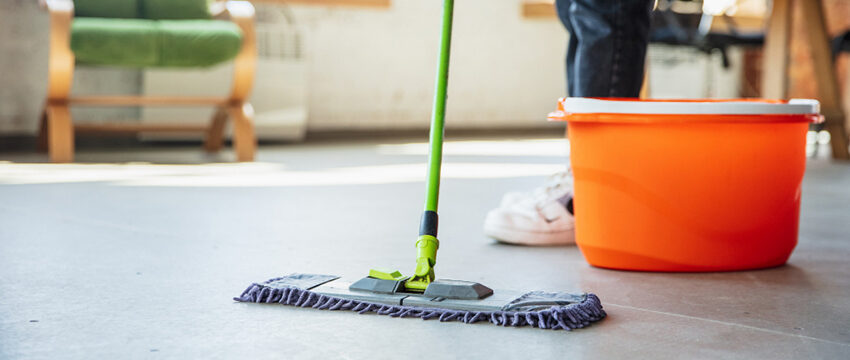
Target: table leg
point(774, 78)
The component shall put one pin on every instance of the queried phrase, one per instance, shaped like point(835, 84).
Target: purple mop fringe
point(567, 317)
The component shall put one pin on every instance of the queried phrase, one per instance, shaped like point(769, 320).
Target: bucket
point(687, 185)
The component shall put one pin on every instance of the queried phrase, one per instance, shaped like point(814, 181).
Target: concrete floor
point(141, 261)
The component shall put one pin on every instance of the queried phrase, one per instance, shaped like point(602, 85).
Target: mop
point(421, 295)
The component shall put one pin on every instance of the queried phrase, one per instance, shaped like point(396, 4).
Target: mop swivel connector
point(426, 258)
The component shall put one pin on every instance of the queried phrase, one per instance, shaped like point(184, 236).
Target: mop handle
point(427, 243)
point(428, 223)
point(439, 113)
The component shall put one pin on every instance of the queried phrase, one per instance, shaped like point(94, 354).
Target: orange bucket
point(687, 185)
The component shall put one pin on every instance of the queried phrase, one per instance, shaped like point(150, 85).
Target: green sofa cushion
point(127, 9)
point(191, 43)
point(175, 9)
point(125, 42)
point(154, 43)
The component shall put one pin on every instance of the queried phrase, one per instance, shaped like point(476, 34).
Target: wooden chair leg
point(215, 133)
point(244, 139)
point(838, 134)
point(827, 81)
point(41, 145)
point(60, 134)
point(244, 65)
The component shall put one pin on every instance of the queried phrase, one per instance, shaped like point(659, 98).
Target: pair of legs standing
point(605, 58)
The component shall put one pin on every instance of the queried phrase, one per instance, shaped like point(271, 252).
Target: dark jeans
point(607, 47)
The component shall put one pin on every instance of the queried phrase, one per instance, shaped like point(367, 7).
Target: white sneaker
point(556, 185)
point(536, 218)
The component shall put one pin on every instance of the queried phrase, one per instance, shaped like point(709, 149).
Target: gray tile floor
point(141, 261)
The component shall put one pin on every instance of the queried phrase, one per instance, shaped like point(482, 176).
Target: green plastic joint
point(385, 274)
point(426, 258)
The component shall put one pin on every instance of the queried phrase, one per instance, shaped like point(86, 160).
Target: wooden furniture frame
point(539, 9)
point(776, 58)
point(56, 134)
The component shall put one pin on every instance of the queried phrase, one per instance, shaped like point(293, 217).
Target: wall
point(376, 68)
point(23, 72)
point(678, 72)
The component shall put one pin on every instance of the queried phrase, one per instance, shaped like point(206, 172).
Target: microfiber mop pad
point(545, 310)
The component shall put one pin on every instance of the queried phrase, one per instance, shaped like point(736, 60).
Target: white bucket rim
point(577, 105)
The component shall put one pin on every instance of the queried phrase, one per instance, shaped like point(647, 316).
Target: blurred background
point(345, 67)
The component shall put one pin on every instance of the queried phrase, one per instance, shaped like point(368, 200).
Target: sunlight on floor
point(14, 173)
point(279, 174)
point(256, 174)
point(541, 147)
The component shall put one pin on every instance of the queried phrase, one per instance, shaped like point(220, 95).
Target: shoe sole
point(515, 237)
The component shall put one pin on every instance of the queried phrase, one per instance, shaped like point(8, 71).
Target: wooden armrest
point(539, 9)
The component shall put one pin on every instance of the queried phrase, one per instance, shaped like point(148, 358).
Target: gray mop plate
point(500, 300)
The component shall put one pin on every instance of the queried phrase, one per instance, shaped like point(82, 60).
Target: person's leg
point(563, 8)
point(605, 58)
point(612, 37)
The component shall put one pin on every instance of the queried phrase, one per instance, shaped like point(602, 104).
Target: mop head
point(545, 310)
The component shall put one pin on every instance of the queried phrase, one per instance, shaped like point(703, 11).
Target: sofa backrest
point(143, 9)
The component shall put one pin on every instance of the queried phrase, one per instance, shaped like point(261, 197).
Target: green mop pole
point(427, 244)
